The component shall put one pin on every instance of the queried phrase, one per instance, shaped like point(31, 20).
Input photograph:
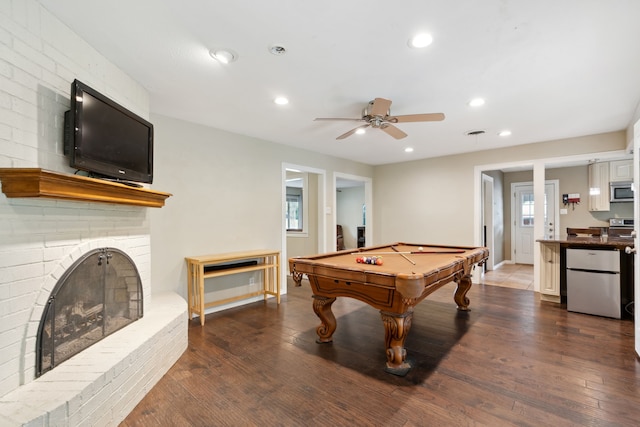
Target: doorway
point(303, 195)
point(353, 207)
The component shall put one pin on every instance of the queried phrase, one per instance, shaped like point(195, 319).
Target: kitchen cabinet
point(599, 186)
point(621, 170)
point(550, 271)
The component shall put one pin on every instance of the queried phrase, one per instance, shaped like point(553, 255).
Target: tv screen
point(107, 140)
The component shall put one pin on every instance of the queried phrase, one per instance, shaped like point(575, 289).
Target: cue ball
point(421, 249)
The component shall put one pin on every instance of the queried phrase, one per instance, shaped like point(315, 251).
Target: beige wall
point(432, 200)
point(227, 196)
point(228, 193)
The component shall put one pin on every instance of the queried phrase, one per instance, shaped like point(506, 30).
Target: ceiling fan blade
point(336, 118)
point(393, 131)
point(352, 131)
point(431, 117)
point(380, 107)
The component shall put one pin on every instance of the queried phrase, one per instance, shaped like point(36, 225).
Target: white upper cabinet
point(599, 186)
point(621, 170)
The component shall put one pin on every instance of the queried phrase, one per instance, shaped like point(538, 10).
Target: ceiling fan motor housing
point(366, 112)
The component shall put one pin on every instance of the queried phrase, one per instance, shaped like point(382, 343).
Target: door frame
point(636, 239)
point(322, 220)
point(488, 219)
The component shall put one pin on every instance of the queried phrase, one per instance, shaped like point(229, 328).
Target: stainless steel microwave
point(621, 191)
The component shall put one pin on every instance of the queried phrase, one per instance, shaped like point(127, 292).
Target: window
point(526, 205)
point(294, 209)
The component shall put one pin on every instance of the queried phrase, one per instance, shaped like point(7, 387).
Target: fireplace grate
point(98, 295)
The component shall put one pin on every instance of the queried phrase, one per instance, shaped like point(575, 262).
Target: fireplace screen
point(99, 294)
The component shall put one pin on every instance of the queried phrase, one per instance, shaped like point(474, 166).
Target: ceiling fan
point(377, 115)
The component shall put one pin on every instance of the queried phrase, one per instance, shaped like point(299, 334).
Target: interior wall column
point(538, 223)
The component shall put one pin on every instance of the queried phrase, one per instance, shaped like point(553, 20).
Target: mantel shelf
point(36, 182)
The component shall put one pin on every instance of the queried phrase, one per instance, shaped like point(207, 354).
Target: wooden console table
point(268, 262)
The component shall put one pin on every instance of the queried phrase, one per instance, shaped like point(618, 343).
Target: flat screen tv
point(107, 140)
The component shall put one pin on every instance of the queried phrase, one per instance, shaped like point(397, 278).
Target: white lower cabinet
point(550, 272)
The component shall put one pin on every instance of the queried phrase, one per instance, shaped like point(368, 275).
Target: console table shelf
point(36, 182)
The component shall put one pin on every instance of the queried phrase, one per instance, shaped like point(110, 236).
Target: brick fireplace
point(42, 239)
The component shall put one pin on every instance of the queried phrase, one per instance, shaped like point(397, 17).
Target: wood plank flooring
point(512, 360)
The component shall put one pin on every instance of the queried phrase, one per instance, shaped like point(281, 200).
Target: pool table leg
point(322, 308)
point(396, 329)
point(460, 297)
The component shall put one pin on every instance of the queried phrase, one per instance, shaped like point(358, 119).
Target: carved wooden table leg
point(322, 308)
point(460, 296)
point(396, 329)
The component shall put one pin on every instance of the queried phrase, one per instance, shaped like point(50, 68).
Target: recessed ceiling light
point(277, 50)
point(281, 100)
point(505, 132)
point(360, 131)
point(476, 102)
point(420, 40)
point(408, 150)
point(224, 56)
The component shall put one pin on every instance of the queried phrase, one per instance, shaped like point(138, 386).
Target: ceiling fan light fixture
point(224, 56)
point(420, 40)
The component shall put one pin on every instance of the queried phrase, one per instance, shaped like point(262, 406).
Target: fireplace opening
point(98, 295)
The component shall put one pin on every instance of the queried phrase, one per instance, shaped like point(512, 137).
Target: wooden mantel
point(36, 182)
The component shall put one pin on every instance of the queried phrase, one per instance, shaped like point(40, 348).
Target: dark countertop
point(615, 242)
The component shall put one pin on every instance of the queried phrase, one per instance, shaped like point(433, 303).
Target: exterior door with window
point(524, 219)
point(524, 224)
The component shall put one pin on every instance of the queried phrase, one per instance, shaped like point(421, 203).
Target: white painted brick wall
point(40, 239)
point(101, 385)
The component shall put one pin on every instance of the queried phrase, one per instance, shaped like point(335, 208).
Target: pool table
point(408, 274)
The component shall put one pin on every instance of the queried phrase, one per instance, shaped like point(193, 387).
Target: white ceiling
point(548, 69)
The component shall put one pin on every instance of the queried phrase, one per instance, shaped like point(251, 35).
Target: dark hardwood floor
point(512, 360)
